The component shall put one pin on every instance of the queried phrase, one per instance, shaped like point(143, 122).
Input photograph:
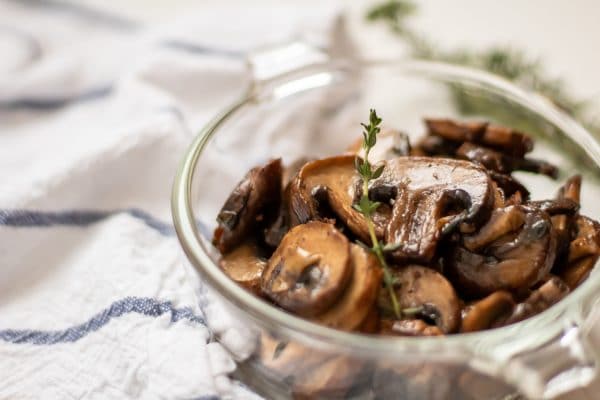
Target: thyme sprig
point(367, 207)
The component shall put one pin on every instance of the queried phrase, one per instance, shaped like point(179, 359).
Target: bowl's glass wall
point(317, 113)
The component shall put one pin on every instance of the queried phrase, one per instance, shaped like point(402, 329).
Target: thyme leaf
point(367, 207)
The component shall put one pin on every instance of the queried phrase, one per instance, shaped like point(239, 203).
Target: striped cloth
point(95, 112)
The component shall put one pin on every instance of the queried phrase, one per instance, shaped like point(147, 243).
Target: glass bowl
point(315, 111)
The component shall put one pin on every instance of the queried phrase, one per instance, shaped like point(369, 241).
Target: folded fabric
point(96, 110)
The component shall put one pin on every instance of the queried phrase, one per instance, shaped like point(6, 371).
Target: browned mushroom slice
point(483, 313)
point(556, 207)
point(587, 241)
point(276, 229)
point(432, 197)
point(503, 163)
point(244, 266)
point(436, 146)
point(583, 252)
point(309, 270)
point(578, 271)
point(505, 259)
point(501, 222)
point(542, 298)
point(428, 294)
point(336, 179)
point(456, 131)
point(507, 140)
point(571, 189)
point(359, 297)
point(409, 327)
point(504, 139)
point(371, 322)
point(279, 224)
point(510, 186)
point(260, 188)
point(564, 225)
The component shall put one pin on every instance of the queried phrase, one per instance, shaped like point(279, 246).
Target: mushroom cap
point(506, 140)
point(578, 271)
point(550, 293)
point(423, 288)
point(587, 241)
point(432, 196)
point(309, 270)
point(483, 313)
point(244, 266)
point(510, 260)
point(260, 188)
point(338, 179)
point(354, 305)
point(503, 163)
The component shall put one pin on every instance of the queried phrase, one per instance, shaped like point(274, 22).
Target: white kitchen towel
point(96, 110)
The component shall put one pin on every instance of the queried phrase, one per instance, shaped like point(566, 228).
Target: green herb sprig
point(367, 207)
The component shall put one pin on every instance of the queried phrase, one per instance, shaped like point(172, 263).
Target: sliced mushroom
point(456, 131)
point(244, 265)
point(556, 207)
point(409, 327)
point(371, 322)
point(483, 313)
point(435, 146)
point(503, 163)
point(541, 299)
point(279, 225)
point(510, 185)
point(501, 258)
point(502, 221)
point(431, 197)
point(564, 223)
point(503, 139)
point(582, 252)
point(571, 189)
point(507, 140)
point(428, 293)
point(578, 271)
point(260, 189)
point(359, 297)
point(309, 270)
point(587, 241)
point(335, 180)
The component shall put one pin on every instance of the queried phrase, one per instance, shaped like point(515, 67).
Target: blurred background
point(98, 103)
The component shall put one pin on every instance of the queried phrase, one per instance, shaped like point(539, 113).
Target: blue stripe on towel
point(196, 48)
point(140, 305)
point(51, 103)
point(82, 218)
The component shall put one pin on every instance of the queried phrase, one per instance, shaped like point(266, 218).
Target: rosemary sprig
point(367, 207)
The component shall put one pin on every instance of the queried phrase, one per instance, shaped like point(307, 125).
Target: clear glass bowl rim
point(296, 328)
